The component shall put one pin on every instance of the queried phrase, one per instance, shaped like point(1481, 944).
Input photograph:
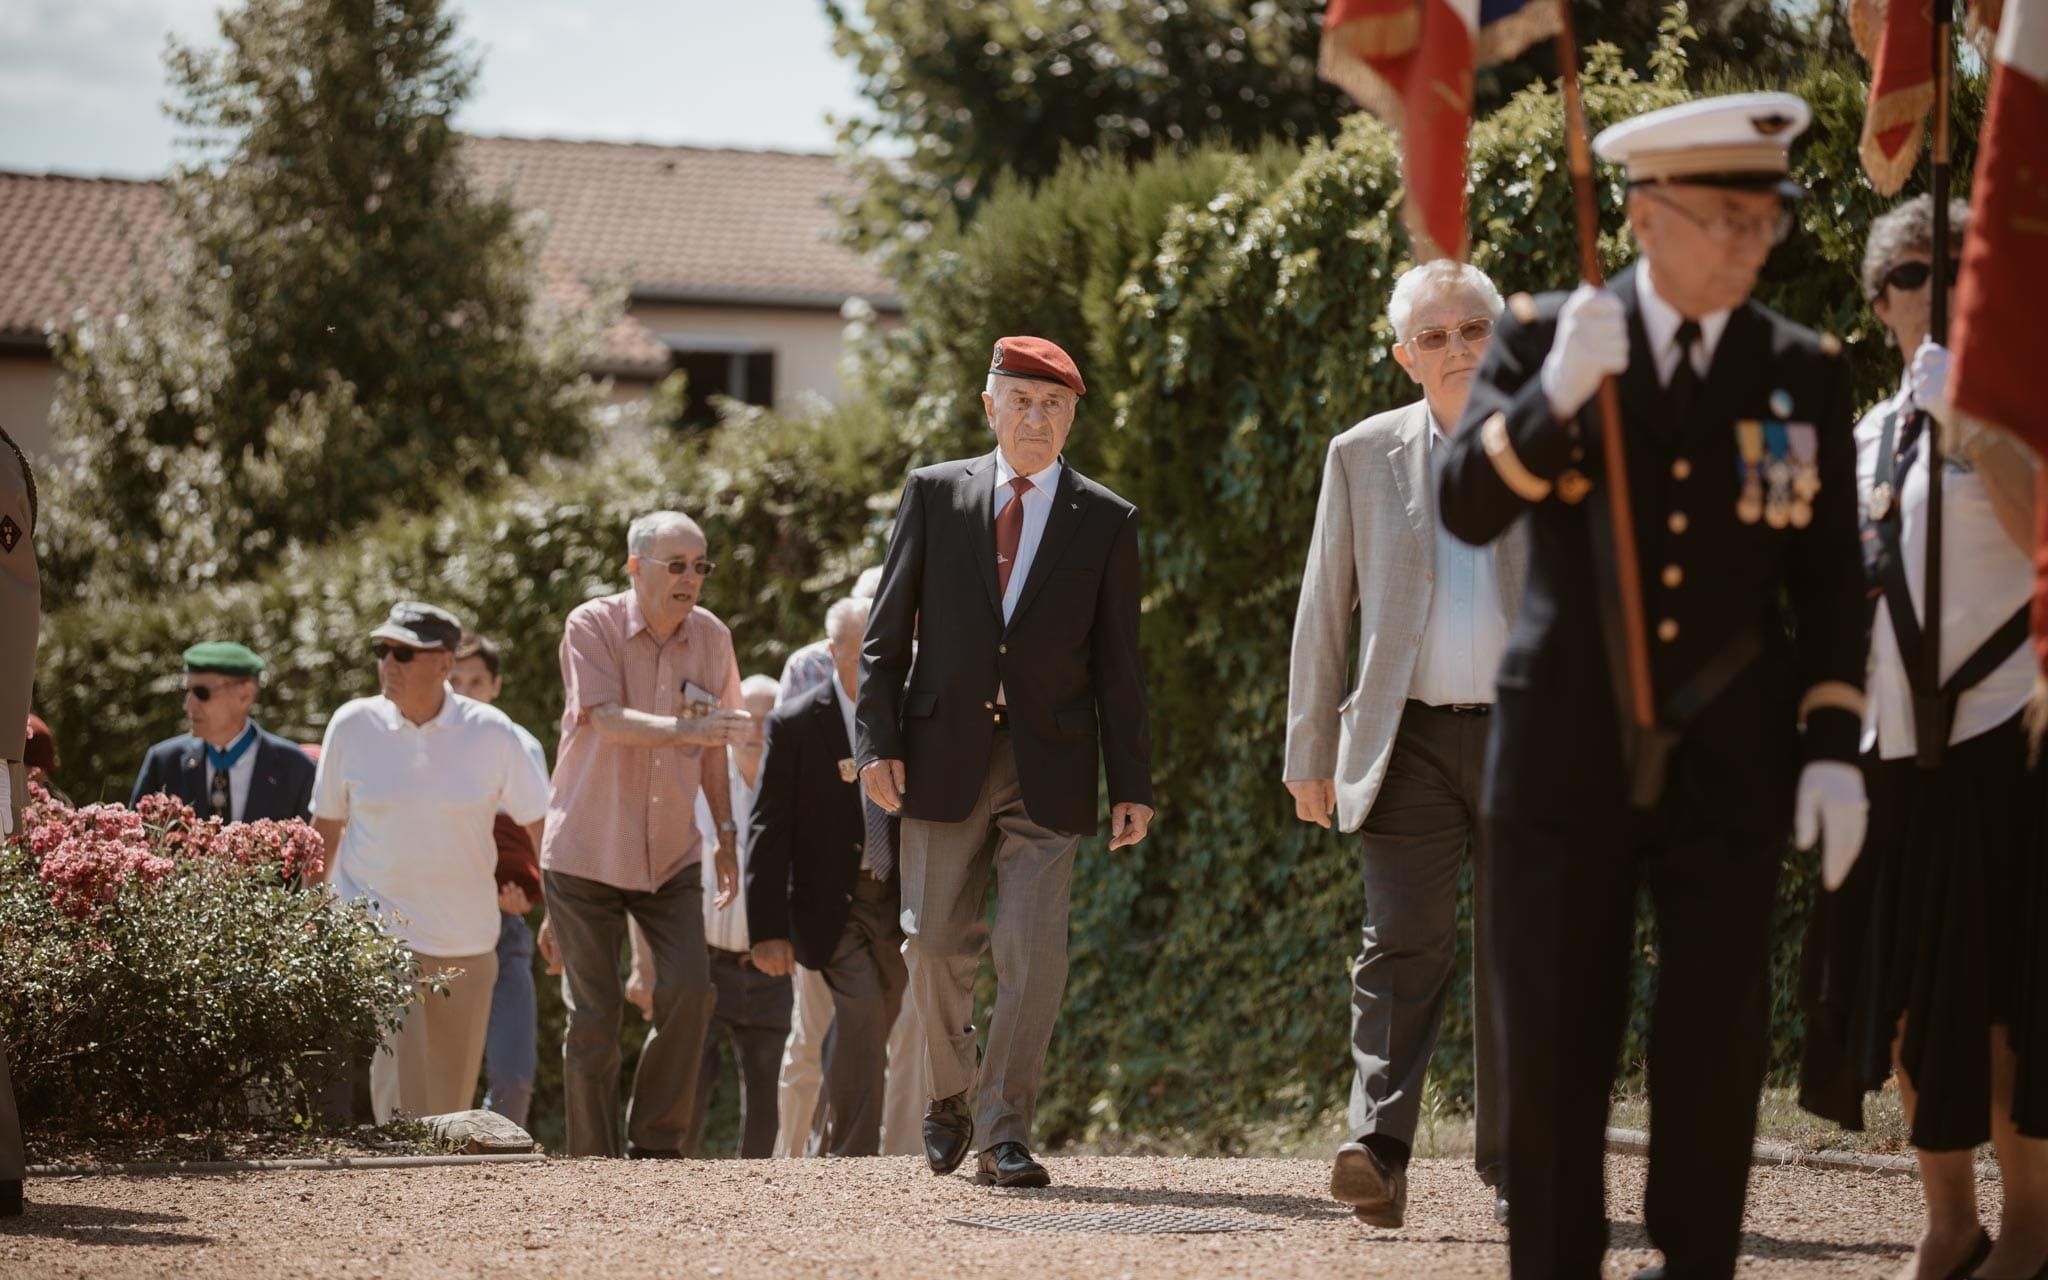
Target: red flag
point(2005, 255)
point(1898, 38)
point(2005, 261)
point(1410, 62)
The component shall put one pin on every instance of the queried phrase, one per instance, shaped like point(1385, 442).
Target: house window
point(739, 368)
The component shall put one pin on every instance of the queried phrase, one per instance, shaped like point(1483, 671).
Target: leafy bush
point(158, 971)
point(1227, 332)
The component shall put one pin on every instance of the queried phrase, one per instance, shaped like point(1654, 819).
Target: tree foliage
point(347, 325)
point(974, 90)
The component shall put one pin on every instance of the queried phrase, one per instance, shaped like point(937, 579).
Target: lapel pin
point(1781, 403)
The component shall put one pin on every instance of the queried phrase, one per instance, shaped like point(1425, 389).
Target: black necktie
point(1684, 386)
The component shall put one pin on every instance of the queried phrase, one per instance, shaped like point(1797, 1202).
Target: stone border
point(260, 1166)
point(1635, 1142)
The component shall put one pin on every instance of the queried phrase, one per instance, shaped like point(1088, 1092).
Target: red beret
point(1037, 359)
point(40, 751)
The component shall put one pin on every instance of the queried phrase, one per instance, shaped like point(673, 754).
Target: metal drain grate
point(1129, 1222)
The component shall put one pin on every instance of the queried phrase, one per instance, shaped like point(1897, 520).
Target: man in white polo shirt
point(410, 783)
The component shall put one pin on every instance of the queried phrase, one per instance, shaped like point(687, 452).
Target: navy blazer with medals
point(1067, 660)
point(808, 830)
point(281, 786)
point(1707, 575)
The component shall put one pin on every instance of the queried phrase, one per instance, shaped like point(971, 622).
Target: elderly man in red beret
point(1019, 578)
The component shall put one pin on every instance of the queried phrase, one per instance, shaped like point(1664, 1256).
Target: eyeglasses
point(1473, 332)
point(1729, 228)
point(399, 653)
point(203, 692)
point(677, 568)
point(1908, 276)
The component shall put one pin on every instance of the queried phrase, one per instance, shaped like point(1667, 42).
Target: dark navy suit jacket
point(281, 788)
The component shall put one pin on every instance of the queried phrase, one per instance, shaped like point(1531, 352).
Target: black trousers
point(752, 1011)
point(1563, 941)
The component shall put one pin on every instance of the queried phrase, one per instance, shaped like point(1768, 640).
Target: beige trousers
point(429, 1067)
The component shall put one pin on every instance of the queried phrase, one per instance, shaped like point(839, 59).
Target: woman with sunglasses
point(1927, 965)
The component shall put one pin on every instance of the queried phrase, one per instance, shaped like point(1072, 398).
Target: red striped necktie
point(1009, 532)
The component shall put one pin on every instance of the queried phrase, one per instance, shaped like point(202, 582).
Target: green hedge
point(1227, 334)
point(1228, 312)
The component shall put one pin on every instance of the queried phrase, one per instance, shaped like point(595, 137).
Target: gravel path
point(581, 1220)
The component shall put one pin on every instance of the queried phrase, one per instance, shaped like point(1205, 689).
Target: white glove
point(1832, 809)
point(1592, 342)
point(1928, 376)
point(6, 800)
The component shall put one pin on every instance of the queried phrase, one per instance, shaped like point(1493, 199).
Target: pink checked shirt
point(627, 816)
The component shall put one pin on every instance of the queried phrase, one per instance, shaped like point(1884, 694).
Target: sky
point(82, 81)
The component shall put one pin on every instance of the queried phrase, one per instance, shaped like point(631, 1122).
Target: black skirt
point(1941, 921)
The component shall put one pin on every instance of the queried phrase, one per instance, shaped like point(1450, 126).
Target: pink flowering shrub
point(158, 969)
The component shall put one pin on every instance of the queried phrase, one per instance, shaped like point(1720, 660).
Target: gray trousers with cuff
point(946, 868)
point(1421, 828)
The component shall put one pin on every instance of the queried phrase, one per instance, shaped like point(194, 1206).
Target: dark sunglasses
point(1473, 332)
point(399, 653)
point(203, 692)
point(1908, 276)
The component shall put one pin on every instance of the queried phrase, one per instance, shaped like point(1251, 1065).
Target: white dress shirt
point(1037, 508)
point(241, 774)
point(1984, 581)
point(726, 927)
point(1467, 630)
point(1660, 325)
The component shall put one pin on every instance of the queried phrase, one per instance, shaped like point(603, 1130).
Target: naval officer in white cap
point(1741, 472)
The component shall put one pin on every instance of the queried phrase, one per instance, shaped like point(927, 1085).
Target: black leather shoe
point(1009, 1164)
point(1376, 1190)
point(948, 1132)
point(10, 1197)
point(651, 1153)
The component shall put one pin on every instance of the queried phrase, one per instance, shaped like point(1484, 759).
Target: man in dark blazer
point(228, 766)
point(1740, 468)
point(21, 601)
point(1018, 580)
point(823, 889)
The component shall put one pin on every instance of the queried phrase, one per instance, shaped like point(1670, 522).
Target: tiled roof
point(67, 243)
point(683, 224)
point(687, 223)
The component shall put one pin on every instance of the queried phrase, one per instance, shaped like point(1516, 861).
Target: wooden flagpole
point(1930, 729)
point(1630, 584)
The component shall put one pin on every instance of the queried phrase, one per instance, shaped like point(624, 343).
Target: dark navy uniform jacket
point(281, 788)
point(1707, 575)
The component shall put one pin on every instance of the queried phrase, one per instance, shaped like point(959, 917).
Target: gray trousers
point(866, 977)
point(589, 919)
point(946, 867)
point(1421, 828)
point(752, 1011)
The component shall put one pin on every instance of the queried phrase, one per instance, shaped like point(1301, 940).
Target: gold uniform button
point(1002, 648)
point(1667, 630)
point(1681, 468)
point(1673, 575)
point(989, 706)
point(1678, 523)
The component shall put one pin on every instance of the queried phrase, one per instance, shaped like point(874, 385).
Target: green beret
point(224, 657)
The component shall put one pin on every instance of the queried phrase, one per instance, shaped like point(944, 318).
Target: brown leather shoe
point(1009, 1164)
point(948, 1132)
point(1376, 1191)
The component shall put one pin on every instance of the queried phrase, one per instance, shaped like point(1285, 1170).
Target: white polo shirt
point(419, 802)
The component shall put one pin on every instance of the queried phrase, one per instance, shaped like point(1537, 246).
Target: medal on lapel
point(847, 772)
point(1749, 441)
point(1880, 500)
point(1805, 440)
point(1777, 477)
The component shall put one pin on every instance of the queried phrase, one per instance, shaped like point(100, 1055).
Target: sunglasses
point(1908, 276)
point(203, 692)
point(399, 653)
point(1473, 332)
point(677, 568)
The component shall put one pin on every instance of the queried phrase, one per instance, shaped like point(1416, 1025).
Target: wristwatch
point(727, 828)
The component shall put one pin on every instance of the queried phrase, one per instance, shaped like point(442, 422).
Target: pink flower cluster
point(87, 855)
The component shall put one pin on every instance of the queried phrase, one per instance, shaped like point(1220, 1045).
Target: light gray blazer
point(1374, 550)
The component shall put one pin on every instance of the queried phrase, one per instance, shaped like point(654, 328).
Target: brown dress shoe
point(1009, 1164)
point(1376, 1191)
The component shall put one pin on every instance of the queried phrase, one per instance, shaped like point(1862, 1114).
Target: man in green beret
point(227, 766)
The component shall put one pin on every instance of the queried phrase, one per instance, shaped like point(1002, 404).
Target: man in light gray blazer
point(1398, 752)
